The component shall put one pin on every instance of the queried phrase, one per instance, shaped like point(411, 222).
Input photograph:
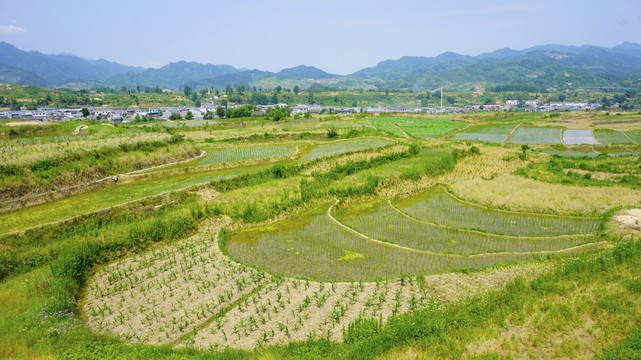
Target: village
point(209, 111)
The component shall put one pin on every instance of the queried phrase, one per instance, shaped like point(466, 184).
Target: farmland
point(217, 156)
point(487, 133)
point(532, 135)
point(415, 127)
point(330, 236)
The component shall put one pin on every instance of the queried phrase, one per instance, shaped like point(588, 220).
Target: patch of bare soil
point(458, 286)
point(629, 219)
point(79, 129)
point(208, 193)
point(21, 123)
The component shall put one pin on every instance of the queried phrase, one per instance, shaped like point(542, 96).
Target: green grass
point(380, 221)
point(311, 246)
point(611, 137)
point(388, 124)
point(437, 206)
point(343, 147)
point(486, 133)
point(536, 135)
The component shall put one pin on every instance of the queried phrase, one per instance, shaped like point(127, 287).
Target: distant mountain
point(305, 72)
point(244, 78)
point(544, 66)
point(58, 70)
point(548, 66)
point(13, 75)
point(172, 76)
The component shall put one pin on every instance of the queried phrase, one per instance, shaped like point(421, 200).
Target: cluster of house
point(118, 115)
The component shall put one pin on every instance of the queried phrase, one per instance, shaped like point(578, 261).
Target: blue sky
point(337, 36)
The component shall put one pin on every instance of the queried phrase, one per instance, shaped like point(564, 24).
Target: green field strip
point(217, 156)
point(379, 220)
point(312, 246)
point(611, 137)
point(439, 207)
point(107, 197)
point(343, 147)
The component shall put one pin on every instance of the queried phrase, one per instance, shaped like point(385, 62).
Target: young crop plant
point(343, 147)
point(216, 156)
point(194, 280)
point(316, 246)
point(437, 206)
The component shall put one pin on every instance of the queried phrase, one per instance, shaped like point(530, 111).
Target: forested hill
point(554, 67)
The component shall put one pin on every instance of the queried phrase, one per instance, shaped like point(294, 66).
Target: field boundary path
point(567, 236)
point(510, 134)
point(496, 254)
point(112, 177)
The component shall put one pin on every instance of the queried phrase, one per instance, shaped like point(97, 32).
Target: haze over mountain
point(542, 66)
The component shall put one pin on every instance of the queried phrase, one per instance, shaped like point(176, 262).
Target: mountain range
point(543, 66)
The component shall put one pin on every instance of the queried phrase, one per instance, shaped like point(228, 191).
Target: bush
point(362, 329)
point(10, 170)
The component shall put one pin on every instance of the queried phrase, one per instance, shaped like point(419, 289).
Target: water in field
point(343, 147)
point(536, 135)
point(485, 133)
point(311, 246)
point(438, 207)
point(579, 137)
point(379, 220)
point(217, 156)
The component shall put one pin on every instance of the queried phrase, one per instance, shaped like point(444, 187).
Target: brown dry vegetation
point(516, 193)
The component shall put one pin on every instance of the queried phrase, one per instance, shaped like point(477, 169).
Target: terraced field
point(438, 207)
point(191, 294)
point(225, 155)
point(313, 246)
point(536, 135)
point(379, 220)
point(611, 137)
point(416, 127)
point(343, 147)
point(106, 197)
point(579, 137)
point(486, 133)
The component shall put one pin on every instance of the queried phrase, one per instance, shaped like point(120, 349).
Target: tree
point(240, 88)
point(278, 89)
point(562, 97)
point(85, 112)
point(450, 100)
point(189, 115)
point(175, 116)
point(274, 99)
point(310, 97)
point(220, 112)
point(296, 89)
point(278, 113)
point(187, 90)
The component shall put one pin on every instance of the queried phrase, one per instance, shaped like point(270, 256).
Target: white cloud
point(11, 29)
